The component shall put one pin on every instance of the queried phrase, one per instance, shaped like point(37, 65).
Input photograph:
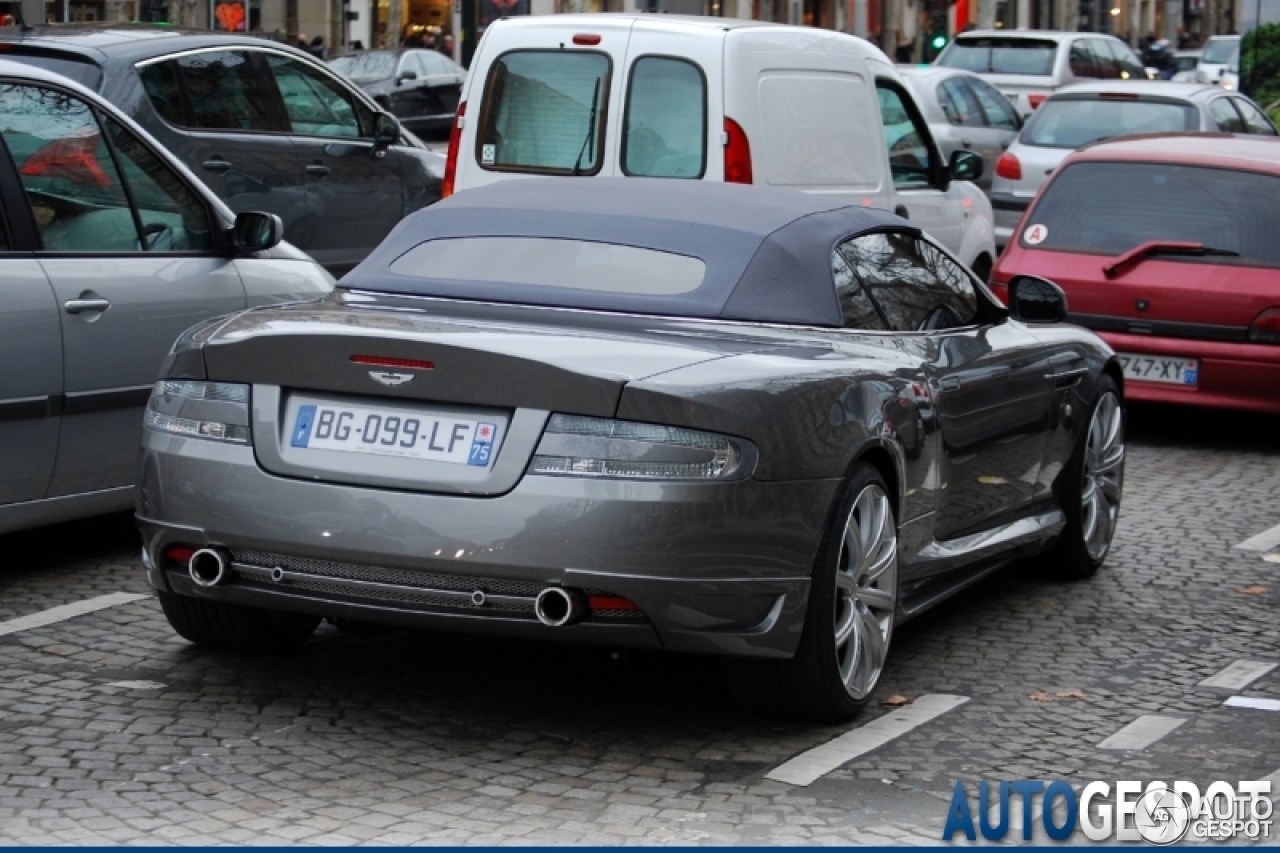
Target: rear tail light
point(73, 157)
point(612, 602)
point(451, 161)
point(1036, 100)
point(180, 554)
point(1008, 167)
point(737, 154)
point(578, 446)
point(217, 411)
point(1265, 328)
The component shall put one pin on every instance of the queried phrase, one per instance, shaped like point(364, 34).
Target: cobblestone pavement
point(112, 729)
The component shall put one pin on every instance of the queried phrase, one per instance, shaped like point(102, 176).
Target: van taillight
point(451, 160)
point(1008, 167)
point(1036, 100)
point(737, 154)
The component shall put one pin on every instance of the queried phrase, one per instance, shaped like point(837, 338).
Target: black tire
point(982, 268)
point(232, 626)
point(1070, 557)
point(809, 685)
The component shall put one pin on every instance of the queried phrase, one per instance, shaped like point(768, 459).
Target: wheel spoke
point(872, 658)
point(845, 624)
point(876, 599)
point(1113, 458)
point(846, 582)
point(885, 560)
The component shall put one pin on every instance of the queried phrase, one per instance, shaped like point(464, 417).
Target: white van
point(712, 99)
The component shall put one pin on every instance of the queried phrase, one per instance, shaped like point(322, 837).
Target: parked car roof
point(1226, 150)
point(751, 240)
point(1039, 35)
point(130, 41)
point(1155, 88)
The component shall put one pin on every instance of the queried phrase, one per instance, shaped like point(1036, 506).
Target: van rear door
point(545, 101)
point(672, 122)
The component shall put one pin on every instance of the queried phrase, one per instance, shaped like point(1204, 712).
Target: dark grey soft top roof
point(767, 251)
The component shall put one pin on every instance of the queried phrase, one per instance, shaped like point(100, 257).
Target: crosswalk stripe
point(1239, 675)
point(1264, 541)
point(1142, 732)
point(809, 766)
point(1248, 702)
point(63, 612)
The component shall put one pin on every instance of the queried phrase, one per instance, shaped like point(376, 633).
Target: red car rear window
point(1110, 208)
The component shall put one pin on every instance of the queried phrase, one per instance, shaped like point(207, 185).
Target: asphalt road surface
point(114, 730)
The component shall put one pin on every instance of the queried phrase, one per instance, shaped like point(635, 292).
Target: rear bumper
point(1007, 210)
point(1232, 375)
point(721, 569)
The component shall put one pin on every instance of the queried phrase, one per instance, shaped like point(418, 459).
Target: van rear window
point(1110, 208)
point(665, 129)
point(544, 111)
point(1001, 55)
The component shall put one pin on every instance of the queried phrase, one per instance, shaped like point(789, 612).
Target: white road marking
point(138, 685)
point(1239, 675)
point(1247, 702)
point(1142, 732)
point(1264, 541)
point(63, 612)
point(808, 767)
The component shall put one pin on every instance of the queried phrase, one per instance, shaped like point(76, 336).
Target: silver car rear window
point(547, 262)
point(999, 55)
point(1110, 208)
point(1071, 122)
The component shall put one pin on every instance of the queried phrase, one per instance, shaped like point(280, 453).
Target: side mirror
point(256, 231)
point(1036, 300)
point(406, 75)
point(966, 166)
point(386, 131)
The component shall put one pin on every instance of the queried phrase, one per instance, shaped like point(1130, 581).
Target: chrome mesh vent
point(375, 574)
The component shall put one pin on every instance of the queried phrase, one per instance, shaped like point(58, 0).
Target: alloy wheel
point(1103, 476)
point(866, 591)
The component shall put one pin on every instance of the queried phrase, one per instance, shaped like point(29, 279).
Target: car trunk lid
point(452, 376)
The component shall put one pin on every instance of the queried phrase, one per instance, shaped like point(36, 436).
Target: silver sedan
point(1081, 115)
point(965, 113)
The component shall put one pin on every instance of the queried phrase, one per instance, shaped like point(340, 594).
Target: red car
point(1168, 246)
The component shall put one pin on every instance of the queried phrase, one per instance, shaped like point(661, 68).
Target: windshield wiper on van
point(591, 129)
point(1151, 248)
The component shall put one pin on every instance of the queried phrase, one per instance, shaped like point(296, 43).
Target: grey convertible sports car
point(658, 414)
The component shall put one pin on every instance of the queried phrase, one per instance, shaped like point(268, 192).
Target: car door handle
point(217, 164)
point(949, 383)
point(85, 304)
point(901, 210)
point(318, 169)
point(966, 143)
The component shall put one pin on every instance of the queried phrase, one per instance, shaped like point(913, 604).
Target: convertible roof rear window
point(548, 262)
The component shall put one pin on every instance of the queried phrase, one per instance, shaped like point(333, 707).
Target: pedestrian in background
point(317, 49)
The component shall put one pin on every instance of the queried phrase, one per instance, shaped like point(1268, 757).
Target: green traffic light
point(939, 42)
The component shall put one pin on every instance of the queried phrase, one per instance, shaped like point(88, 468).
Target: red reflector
point(586, 38)
point(382, 361)
point(1036, 100)
point(1265, 328)
point(73, 158)
point(737, 154)
point(451, 159)
point(1008, 167)
point(611, 602)
point(180, 554)
point(1118, 96)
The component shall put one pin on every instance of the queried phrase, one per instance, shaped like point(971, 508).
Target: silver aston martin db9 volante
point(638, 413)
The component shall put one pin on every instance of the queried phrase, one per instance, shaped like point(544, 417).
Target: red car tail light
point(384, 361)
point(1265, 328)
point(1008, 167)
point(451, 161)
point(737, 155)
point(1036, 100)
point(74, 158)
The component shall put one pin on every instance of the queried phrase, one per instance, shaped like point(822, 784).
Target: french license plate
point(388, 431)
point(1157, 368)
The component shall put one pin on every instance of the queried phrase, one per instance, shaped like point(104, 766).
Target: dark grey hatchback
point(266, 126)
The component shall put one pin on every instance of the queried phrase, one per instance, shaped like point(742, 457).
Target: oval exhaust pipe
point(208, 567)
point(557, 607)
